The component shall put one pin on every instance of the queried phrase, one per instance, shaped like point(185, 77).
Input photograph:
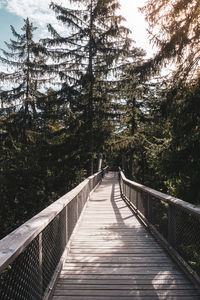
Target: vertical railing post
point(77, 216)
point(130, 194)
point(100, 159)
point(120, 181)
point(66, 226)
point(40, 265)
point(149, 208)
point(172, 225)
point(136, 198)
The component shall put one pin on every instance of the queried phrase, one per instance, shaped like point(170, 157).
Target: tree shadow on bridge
point(154, 273)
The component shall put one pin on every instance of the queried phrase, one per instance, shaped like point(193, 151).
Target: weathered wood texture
point(112, 256)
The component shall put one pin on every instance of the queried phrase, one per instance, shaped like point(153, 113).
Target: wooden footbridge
point(106, 239)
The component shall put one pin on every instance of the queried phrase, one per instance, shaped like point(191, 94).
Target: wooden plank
point(99, 238)
point(115, 250)
point(112, 254)
point(126, 282)
point(108, 212)
point(133, 293)
point(123, 298)
point(117, 243)
point(116, 231)
point(107, 216)
point(109, 232)
point(112, 227)
point(160, 282)
point(70, 265)
point(109, 235)
point(147, 277)
point(118, 259)
point(129, 222)
point(107, 209)
point(121, 271)
point(119, 286)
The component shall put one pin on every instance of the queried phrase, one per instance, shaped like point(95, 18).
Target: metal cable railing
point(175, 222)
point(31, 254)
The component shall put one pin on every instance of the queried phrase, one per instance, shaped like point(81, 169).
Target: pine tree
point(89, 59)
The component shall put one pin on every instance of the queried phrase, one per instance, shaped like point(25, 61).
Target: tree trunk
point(90, 104)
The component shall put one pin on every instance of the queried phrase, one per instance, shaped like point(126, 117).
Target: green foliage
point(50, 137)
point(166, 141)
point(180, 159)
point(174, 29)
point(36, 170)
point(23, 77)
point(93, 51)
point(40, 157)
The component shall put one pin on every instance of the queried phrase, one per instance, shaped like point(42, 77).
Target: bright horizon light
point(136, 22)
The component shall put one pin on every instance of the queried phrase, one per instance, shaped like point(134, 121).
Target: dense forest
point(67, 98)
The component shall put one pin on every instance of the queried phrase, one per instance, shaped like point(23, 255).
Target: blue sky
point(12, 12)
point(7, 19)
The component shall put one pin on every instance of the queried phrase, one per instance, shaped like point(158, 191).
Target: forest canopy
point(89, 90)
point(174, 28)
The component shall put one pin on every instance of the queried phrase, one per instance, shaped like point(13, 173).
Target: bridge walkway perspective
point(112, 255)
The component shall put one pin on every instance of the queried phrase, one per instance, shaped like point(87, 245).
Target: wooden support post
point(172, 225)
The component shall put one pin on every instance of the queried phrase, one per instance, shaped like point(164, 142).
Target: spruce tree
point(22, 78)
point(89, 59)
point(38, 132)
point(22, 172)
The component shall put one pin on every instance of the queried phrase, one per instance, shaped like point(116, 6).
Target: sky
point(12, 12)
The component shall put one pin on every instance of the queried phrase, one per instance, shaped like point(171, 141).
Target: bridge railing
point(175, 222)
point(32, 255)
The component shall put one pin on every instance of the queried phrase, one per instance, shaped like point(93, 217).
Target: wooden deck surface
point(112, 256)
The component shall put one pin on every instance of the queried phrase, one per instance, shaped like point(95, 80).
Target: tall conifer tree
point(89, 59)
point(22, 79)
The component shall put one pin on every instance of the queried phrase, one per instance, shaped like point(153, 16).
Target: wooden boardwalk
point(112, 256)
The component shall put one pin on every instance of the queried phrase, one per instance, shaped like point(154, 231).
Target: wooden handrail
point(15, 242)
point(167, 198)
point(168, 225)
